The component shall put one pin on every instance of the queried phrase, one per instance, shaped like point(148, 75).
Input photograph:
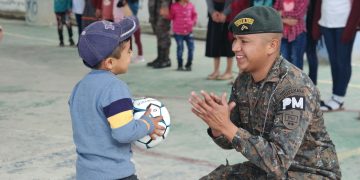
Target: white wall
point(40, 12)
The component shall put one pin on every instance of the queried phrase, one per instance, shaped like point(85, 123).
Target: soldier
point(273, 117)
point(158, 13)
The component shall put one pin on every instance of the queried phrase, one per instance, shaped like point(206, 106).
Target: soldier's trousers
point(161, 28)
point(248, 171)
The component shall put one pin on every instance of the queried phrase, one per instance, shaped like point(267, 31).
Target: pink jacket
point(183, 18)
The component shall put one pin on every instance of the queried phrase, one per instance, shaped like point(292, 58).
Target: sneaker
point(188, 68)
point(138, 59)
point(61, 44)
point(180, 68)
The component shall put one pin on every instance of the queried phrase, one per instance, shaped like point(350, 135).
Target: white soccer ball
point(157, 109)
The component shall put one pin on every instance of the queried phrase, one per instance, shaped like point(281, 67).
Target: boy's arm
point(117, 107)
point(124, 128)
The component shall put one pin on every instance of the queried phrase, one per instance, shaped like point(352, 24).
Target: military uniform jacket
point(281, 127)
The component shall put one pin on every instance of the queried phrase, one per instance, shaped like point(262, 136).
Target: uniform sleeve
point(275, 154)
point(118, 110)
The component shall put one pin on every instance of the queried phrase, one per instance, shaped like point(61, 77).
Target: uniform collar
point(275, 71)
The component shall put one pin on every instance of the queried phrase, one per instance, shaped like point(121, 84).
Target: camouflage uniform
point(281, 129)
point(161, 28)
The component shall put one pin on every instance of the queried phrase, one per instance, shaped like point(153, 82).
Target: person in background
point(78, 9)
point(311, 43)
point(158, 17)
point(107, 10)
point(183, 16)
point(134, 7)
point(217, 43)
point(92, 12)
point(293, 43)
point(1, 33)
point(62, 9)
point(262, 3)
point(338, 20)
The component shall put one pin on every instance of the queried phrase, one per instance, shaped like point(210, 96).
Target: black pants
point(63, 18)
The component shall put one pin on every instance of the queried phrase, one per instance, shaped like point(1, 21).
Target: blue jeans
point(312, 58)
point(189, 39)
point(294, 51)
point(134, 7)
point(339, 57)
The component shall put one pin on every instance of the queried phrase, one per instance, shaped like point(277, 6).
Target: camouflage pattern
point(281, 129)
point(159, 24)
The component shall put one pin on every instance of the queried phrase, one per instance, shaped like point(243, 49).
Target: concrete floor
point(37, 77)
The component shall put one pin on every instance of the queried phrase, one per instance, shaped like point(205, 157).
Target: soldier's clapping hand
point(214, 111)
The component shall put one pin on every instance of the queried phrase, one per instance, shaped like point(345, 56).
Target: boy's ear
point(108, 63)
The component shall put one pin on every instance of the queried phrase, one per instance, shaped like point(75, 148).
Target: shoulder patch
point(291, 121)
point(293, 102)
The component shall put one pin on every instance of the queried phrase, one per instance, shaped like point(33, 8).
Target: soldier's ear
point(274, 45)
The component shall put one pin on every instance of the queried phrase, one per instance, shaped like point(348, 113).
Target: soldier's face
point(250, 52)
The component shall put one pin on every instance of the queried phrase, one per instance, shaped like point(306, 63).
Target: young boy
point(101, 105)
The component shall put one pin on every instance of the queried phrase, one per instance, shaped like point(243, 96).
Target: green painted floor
point(35, 128)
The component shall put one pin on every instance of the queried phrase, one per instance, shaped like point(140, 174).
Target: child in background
point(293, 43)
point(134, 7)
point(107, 10)
point(184, 17)
point(1, 33)
point(62, 9)
point(101, 105)
point(78, 9)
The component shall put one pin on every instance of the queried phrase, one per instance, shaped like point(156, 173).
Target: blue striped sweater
point(103, 126)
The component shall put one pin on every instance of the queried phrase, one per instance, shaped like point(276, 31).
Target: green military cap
point(257, 19)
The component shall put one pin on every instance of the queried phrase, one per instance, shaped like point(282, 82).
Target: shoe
point(188, 68)
point(152, 63)
point(331, 105)
point(180, 69)
point(61, 44)
point(224, 77)
point(137, 59)
point(212, 76)
point(72, 42)
point(162, 64)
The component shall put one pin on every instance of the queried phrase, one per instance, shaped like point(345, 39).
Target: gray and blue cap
point(98, 40)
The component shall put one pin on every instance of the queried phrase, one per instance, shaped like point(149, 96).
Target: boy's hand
point(158, 130)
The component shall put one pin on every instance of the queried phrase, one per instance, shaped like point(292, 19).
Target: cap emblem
point(242, 21)
point(108, 25)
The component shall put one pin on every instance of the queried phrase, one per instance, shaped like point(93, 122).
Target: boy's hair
point(116, 53)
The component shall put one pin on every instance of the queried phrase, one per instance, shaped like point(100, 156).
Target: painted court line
point(30, 37)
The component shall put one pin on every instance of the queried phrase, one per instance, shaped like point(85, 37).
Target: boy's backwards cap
point(98, 40)
point(257, 19)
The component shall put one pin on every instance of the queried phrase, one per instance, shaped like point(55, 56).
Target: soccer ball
point(157, 109)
